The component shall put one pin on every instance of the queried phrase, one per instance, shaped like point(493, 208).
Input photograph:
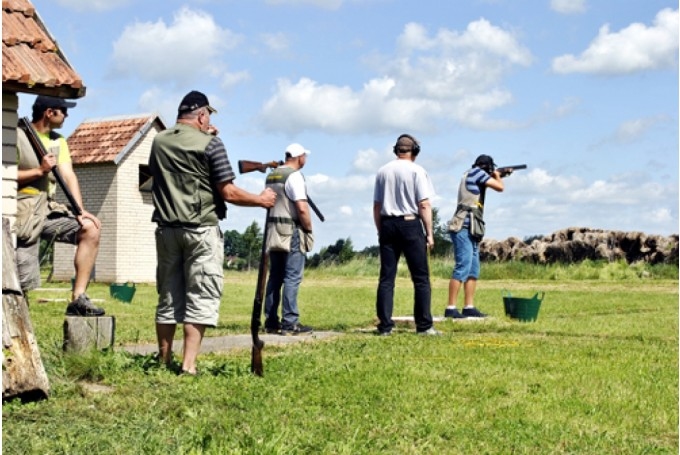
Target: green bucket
point(525, 310)
point(123, 291)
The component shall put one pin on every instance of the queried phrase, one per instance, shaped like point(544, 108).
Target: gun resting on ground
point(256, 366)
point(245, 166)
point(40, 152)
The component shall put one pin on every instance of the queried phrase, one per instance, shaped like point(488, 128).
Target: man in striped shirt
point(192, 177)
point(465, 274)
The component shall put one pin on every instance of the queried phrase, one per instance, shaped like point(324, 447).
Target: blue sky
point(584, 92)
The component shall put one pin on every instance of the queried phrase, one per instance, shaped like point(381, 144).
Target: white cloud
point(93, 5)
point(568, 6)
point(165, 102)
point(178, 53)
point(635, 48)
point(450, 75)
point(229, 80)
point(367, 161)
point(276, 42)
point(633, 130)
point(326, 4)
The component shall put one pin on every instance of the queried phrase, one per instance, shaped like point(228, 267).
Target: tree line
point(242, 250)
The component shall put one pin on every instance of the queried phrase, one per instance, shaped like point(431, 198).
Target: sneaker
point(297, 329)
point(82, 306)
point(386, 333)
point(453, 313)
point(272, 330)
point(473, 312)
point(430, 332)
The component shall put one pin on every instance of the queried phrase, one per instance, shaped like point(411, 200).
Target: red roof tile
point(109, 140)
point(31, 59)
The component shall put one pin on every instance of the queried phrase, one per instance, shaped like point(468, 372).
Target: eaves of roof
point(31, 60)
point(109, 140)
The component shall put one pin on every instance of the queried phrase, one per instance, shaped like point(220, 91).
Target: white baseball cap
point(296, 150)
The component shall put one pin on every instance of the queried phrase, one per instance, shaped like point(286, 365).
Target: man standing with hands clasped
point(289, 237)
point(403, 217)
point(192, 177)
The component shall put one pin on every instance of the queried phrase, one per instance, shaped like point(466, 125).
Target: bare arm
point(26, 176)
point(425, 212)
point(238, 196)
point(377, 206)
point(495, 182)
point(304, 215)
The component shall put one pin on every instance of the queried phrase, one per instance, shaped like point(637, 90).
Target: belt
point(400, 217)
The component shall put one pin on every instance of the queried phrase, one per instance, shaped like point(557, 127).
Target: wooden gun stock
point(256, 365)
point(245, 166)
point(40, 152)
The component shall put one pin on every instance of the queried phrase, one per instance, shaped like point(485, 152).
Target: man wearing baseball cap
point(192, 180)
point(39, 216)
point(473, 185)
point(289, 237)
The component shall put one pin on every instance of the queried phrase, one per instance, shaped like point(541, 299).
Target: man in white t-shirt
point(289, 237)
point(403, 217)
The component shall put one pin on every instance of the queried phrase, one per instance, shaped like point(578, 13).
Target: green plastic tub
point(523, 309)
point(123, 291)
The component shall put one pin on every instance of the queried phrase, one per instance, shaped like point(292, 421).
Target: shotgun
point(507, 170)
point(40, 152)
point(256, 366)
point(245, 166)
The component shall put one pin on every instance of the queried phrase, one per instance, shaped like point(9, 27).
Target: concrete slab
point(232, 342)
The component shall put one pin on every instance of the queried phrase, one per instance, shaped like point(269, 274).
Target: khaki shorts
point(189, 275)
point(58, 227)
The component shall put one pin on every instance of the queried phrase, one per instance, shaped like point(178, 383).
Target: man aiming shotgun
point(467, 230)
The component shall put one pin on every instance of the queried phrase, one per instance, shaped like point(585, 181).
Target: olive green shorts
point(189, 275)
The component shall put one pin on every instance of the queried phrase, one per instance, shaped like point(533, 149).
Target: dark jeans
point(399, 236)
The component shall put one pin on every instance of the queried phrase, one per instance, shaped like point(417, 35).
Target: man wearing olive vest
point(289, 237)
point(192, 177)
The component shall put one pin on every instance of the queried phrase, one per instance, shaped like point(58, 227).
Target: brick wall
point(127, 250)
point(10, 105)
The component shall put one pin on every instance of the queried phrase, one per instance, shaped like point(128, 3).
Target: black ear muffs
point(415, 148)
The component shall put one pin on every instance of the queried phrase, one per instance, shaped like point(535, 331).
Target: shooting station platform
point(232, 342)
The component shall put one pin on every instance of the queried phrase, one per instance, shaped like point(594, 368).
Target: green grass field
point(596, 373)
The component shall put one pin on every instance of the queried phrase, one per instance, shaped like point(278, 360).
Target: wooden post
point(87, 333)
point(23, 374)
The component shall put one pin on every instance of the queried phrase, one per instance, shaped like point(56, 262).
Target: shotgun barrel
point(40, 152)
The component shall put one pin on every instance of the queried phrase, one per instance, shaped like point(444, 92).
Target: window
point(145, 178)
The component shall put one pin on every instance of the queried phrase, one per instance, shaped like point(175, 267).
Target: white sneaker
point(430, 332)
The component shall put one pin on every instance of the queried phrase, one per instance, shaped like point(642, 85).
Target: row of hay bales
point(576, 244)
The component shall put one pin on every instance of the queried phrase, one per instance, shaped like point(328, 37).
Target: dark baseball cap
point(52, 102)
point(194, 100)
point(485, 161)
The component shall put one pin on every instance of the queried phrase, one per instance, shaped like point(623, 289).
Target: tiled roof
point(108, 140)
point(31, 59)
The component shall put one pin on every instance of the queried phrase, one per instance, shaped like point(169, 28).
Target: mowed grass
point(596, 373)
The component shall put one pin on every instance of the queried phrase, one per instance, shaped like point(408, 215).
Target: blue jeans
point(285, 269)
point(466, 254)
point(399, 236)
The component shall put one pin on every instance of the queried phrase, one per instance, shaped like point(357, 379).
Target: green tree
point(252, 239)
point(340, 253)
point(440, 230)
point(234, 245)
